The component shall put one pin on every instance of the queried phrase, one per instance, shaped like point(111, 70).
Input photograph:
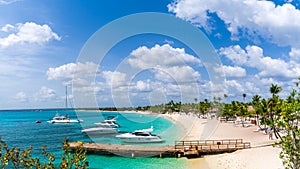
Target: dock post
point(179, 155)
point(160, 155)
point(132, 155)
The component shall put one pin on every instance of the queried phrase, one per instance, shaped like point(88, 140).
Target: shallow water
point(18, 128)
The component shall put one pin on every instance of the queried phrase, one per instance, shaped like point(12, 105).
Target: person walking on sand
point(270, 135)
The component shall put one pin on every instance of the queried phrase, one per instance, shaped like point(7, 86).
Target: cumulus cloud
point(276, 23)
point(6, 2)
point(114, 78)
point(235, 53)
point(177, 74)
point(45, 94)
point(232, 71)
point(169, 64)
point(65, 73)
point(162, 56)
point(143, 86)
point(21, 97)
point(268, 67)
point(234, 85)
point(28, 32)
point(7, 28)
point(295, 55)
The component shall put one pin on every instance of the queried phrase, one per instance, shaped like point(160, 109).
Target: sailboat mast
point(66, 97)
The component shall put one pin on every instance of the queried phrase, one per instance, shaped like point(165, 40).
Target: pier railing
point(225, 145)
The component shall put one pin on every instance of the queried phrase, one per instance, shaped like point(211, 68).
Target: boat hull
point(99, 131)
point(129, 138)
point(64, 121)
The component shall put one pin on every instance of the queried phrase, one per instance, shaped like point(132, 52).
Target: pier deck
point(181, 148)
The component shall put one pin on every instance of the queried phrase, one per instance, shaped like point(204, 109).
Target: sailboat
point(64, 118)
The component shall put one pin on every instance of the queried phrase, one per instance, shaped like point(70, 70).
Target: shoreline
point(260, 155)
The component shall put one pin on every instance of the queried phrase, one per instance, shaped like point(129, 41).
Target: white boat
point(99, 130)
point(140, 136)
point(149, 130)
point(108, 123)
point(63, 119)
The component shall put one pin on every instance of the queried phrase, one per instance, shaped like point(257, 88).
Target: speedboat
point(108, 123)
point(140, 136)
point(63, 119)
point(99, 130)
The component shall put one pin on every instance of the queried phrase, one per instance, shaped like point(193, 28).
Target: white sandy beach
point(261, 155)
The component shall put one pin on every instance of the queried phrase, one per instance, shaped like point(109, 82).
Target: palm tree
point(256, 104)
point(244, 96)
point(274, 90)
point(225, 97)
point(196, 102)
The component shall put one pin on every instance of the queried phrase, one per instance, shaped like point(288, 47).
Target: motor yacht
point(99, 130)
point(108, 123)
point(140, 136)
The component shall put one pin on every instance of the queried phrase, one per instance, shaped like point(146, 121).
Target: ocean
point(19, 129)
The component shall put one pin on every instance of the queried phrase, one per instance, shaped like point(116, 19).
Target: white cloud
point(232, 71)
point(7, 28)
point(65, 73)
point(21, 97)
point(268, 67)
point(114, 79)
point(16, 66)
point(169, 64)
point(295, 55)
point(235, 85)
point(235, 53)
point(143, 86)
point(177, 74)
point(251, 87)
point(163, 56)
point(45, 94)
point(28, 32)
point(6, 2)
point(276, 23)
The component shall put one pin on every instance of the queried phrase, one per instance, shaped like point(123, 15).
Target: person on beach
point(270, 135)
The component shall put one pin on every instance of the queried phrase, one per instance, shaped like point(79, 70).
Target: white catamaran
point(64, 118)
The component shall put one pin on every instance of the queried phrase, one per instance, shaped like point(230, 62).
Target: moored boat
point(108, 123)
point(99, 130)
point(140, 136)
point(63, 119)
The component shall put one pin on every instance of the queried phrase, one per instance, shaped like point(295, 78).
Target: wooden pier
point(187, 148)
point(201, 147)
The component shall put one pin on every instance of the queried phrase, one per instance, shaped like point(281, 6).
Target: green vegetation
point(17, 158)
point(280, 115)
point(286, 118)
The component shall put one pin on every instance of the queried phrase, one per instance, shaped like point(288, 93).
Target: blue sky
point(40, 41)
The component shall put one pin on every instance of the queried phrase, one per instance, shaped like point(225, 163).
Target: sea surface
point(19, 129)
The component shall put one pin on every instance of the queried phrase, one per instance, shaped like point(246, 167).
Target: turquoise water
point(18, 129)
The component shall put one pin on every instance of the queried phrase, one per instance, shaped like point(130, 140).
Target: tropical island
point(271, 125)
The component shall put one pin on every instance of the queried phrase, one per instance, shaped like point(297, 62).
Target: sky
point(42, 44)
